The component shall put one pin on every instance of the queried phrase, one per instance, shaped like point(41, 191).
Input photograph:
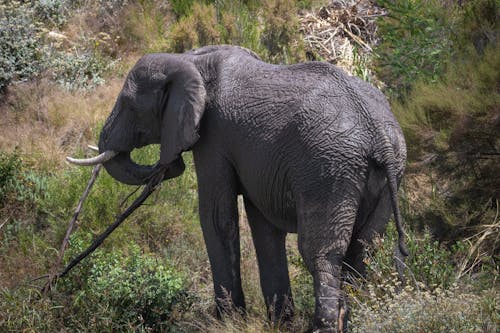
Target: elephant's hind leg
point(373, 215)
point(269, 244)
point(324, 235)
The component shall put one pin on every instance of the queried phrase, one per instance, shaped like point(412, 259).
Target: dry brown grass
point(44, 122)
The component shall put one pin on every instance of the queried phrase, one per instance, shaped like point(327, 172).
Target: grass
point(44, 122)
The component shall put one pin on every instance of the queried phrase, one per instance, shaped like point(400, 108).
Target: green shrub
point(109, 292)
point(129, 289)
point(302, 287)
point(54, 12)
point(281, 35)
point(9, 169)
point(197, 29)
point(20, 45)
point(452, 125)
point(143, 26)
point(240, 26)
point(182, 7)
point(434, 299)
point(18, 185)
point(23, 54)
point(416, 41)
point(74, 70)
point(430, 262)
point(477, 26)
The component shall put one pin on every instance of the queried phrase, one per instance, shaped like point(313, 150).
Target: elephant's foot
point(331, 309)
point(340, 326)
point(281, 313)
point(228, 306)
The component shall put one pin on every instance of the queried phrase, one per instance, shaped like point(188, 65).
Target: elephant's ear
point(183, 109)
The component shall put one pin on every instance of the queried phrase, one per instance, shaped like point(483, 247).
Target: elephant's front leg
point(219, 222)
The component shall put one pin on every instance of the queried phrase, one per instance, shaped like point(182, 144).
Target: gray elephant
point(312, 150)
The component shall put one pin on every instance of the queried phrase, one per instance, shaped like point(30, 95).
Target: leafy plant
point(54, 12)
point(430, 262)
point(24, 55)
point(182, 7)
point(73, 70)
point(413, 310)
point(197, 29)
point(17, 184)
point(452, 126)
point(9, 169)
point(415, 42)
point(280, 35)
point(136, 290)
point(20, 43)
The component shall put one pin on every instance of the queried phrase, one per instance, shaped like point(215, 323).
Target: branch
point(52, 275)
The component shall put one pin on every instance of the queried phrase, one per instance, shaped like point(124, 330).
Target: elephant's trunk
point(123, 169)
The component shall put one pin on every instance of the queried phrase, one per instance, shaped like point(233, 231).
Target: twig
point(128, 196)
point(93, 148)
point(55, 268)
point(4, 222)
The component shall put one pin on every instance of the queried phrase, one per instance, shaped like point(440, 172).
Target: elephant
point(312, 150)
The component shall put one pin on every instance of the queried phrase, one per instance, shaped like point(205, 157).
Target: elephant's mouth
point(122, 168)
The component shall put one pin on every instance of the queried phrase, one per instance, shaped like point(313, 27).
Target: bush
point(20, 45)
point(411, 311)
point(240, 24)
point(197, 29)
point(477, 26)
point(53, 12)
point(127, 289)
point(23, 54)
point(143, 26)
point(84, 71)
point(281, 35)
point(182, 7)
point(415, 42)
point(430, 262)
point(453, 129)
point(18, 185)
point(276, 40)
point(434, 299)
point(109, 292)
point(9, 168)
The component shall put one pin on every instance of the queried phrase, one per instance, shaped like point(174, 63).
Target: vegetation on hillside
point(62, 65)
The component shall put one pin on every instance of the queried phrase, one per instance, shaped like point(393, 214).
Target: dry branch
point(336, 30)
point(71, 225)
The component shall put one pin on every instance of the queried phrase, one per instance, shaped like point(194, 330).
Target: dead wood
point(341, 28)
point(52, 276)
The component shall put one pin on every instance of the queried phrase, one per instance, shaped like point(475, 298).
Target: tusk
point(94, 148)
point(99, 159)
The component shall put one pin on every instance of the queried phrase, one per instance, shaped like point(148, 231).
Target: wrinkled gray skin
point(312, 150)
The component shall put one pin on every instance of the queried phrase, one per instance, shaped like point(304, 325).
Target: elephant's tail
point(384, 156)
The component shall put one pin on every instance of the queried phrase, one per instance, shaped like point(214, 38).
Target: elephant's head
point(162, 101)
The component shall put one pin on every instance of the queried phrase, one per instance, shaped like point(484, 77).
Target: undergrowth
point(452, 126)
